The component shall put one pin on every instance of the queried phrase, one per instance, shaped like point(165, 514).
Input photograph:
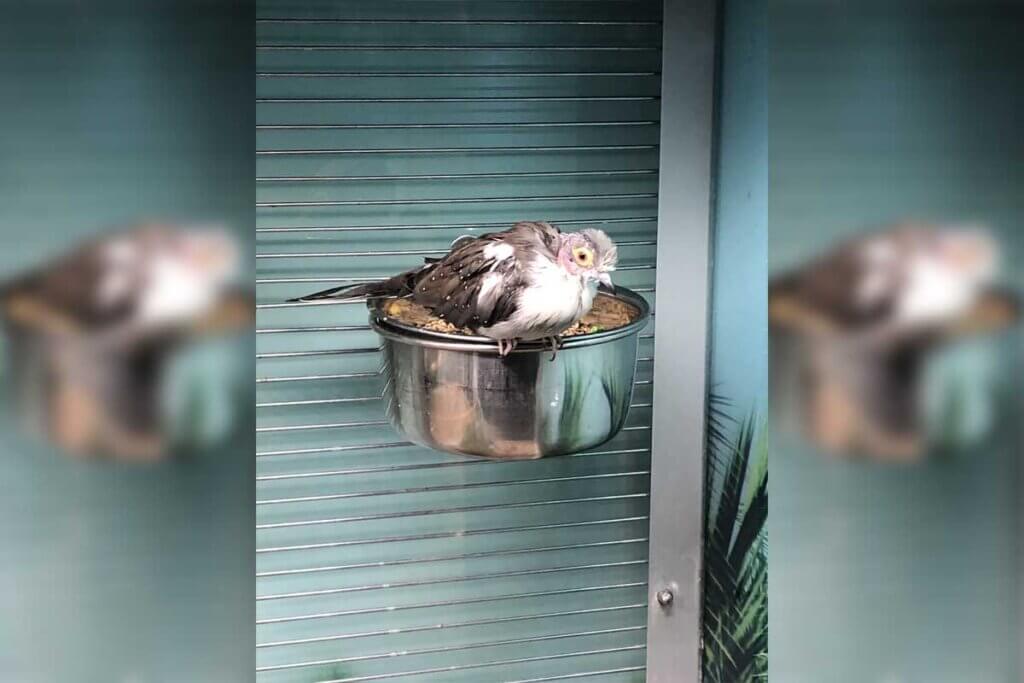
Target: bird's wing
point(77, 285)
point(478, 283)
point(848, 287)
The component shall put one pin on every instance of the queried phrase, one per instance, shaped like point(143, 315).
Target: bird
point(529, 282)
point(142, 277)
point(910, 275)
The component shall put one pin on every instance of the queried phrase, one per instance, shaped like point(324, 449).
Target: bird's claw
point(505, 346)
point(555, 344)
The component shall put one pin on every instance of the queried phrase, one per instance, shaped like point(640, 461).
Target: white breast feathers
point(551, 302)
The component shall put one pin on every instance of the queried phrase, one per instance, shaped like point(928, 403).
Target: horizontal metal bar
point(454, 74)
point(453, 603)
point(332, 254)
point(355, 375)
point(457, 200)
point(450, 558)
point(305, 378)
point(455, 176)
point(453, 226)
point(299, 280)
point(328, 328)
point(334, 449)
point(414, 126)
point(306, 354)
point(483, 665)
point(466, 578)
point(464, 48)
point(435, 465)
point(360, 278)
point(580, 674)
point(425, 489)
point(456, 150)
point(438, 100)
point(406, 252)
point(454, 648)
point(318, 401)
point(320, 302)
point(461, 462)
point(453, 534)
point(400, 444)
point(330, 425)
point(462, 22)
point(448, 511)
point(457, 624)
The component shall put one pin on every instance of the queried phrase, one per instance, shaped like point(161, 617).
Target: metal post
point(680, 362)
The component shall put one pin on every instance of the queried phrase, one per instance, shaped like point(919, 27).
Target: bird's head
point(210, 252)
point(969, 251)
point(207, 253)
point(942, 270)
point(590, 255)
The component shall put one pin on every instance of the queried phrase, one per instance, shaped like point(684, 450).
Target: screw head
point(665, 597)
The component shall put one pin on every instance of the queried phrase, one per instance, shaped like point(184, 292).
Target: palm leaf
point(736, 560)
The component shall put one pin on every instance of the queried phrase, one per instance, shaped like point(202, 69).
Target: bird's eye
point(583, 256)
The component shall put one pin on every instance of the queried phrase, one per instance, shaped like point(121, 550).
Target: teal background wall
point(739, 314)
point(736, 606)
point(877, 112)
point(471, 570)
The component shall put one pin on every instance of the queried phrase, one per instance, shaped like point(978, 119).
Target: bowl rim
point(410, 334)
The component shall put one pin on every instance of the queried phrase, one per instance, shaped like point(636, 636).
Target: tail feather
point(400, 285)
point(343, 293)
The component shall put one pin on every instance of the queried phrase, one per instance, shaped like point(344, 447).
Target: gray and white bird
point(906, 276)
point(144, 277)
point(529, 282)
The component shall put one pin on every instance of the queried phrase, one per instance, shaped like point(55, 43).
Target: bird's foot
point(505, 346)
point(554, 343)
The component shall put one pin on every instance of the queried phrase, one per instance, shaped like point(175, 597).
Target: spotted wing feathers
point(478, 283)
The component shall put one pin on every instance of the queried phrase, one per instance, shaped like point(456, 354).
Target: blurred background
point(115, 114)
point(880, 112)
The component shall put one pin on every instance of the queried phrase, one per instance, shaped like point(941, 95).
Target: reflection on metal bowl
point(455, 393)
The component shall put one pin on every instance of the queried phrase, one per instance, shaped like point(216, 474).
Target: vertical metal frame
point(681, 351)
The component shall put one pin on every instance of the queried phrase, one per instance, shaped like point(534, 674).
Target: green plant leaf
point(736, 559)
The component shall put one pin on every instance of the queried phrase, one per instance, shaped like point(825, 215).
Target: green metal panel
point(375, 149)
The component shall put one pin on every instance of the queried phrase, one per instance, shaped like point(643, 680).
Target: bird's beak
point(606, 282)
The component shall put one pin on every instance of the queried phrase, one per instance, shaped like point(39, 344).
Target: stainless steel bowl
point(455, 393)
